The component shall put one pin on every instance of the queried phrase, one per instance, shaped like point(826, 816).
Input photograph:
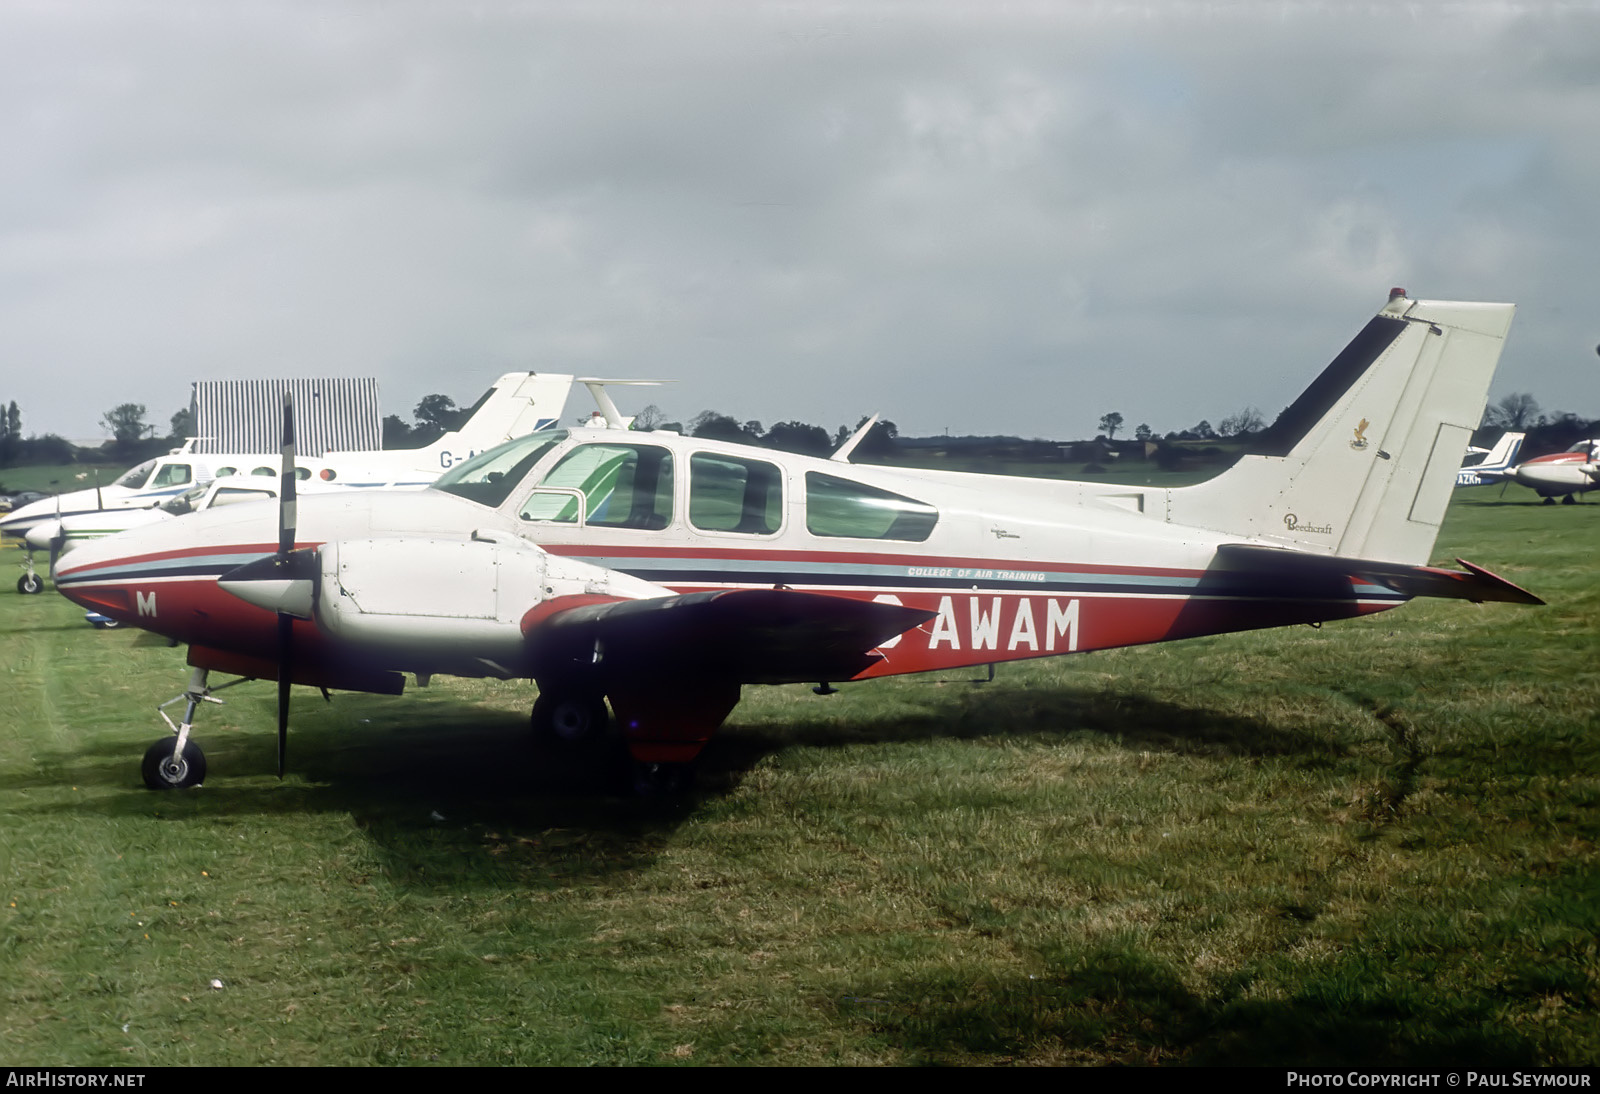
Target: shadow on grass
point(408, 760)
point(450, 791)
point(1122, 1006)
point(449, 794)
point(968, 711)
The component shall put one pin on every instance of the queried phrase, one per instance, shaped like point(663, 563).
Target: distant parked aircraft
point(1562, 474)
point(1496, 463)
point(519, 403)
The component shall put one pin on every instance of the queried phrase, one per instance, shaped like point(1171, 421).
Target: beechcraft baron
point(519, 403)
point(1568, 473)
point(661, 573)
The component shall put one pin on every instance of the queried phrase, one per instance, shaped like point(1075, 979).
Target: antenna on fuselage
point(842, 453)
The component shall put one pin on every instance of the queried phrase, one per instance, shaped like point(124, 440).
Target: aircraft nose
point(39, 537)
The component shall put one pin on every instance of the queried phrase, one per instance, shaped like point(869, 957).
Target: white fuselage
point(1571, 472)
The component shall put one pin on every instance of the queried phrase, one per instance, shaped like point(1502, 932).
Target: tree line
point(133, 438)
point(1518, 412)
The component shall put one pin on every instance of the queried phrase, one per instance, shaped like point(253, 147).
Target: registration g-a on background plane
point(661, 573)
point(517, 404)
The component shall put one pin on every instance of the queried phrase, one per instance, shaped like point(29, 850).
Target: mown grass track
point(1372, 843)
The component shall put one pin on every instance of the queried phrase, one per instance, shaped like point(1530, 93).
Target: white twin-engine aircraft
point(663, 572)
point(1562, 474)
point(517, 404)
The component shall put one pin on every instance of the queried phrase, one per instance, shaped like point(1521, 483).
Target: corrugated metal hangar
point(245, 415)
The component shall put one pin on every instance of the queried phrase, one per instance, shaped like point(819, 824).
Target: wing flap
point(752, 636)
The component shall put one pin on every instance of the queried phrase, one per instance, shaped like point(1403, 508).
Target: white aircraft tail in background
point(1496, 464)
point(519, 403)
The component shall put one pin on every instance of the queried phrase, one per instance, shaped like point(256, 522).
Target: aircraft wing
point(1474, 583)
point(749, 636)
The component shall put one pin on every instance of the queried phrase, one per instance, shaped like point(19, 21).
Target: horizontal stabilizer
point(753, 636)
point(1475, 583)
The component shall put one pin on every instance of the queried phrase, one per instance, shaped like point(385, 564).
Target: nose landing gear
point(174, 763)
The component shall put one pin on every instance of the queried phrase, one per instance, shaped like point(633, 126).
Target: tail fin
point(519, 403)
point(1363, 462)
point(1503, 454)
point(608, 409)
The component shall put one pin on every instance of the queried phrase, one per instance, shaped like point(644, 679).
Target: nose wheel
point(30, 582)
point(166, 767)
point(175, 762)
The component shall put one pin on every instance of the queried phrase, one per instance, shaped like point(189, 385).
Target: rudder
point(1362, 464)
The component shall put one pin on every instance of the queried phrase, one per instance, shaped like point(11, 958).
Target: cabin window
point(263, 471)
point(173, 474)
point(733, 494)
point(839, 507)
point(489, 477)
point(224, 472)
point(623, 486)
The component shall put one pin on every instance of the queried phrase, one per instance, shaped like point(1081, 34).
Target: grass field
point(1370, 843)
point(60, 478)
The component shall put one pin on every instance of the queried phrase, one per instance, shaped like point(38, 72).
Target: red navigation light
point(1396, 292)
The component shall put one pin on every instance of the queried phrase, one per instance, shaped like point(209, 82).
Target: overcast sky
point(987, 222)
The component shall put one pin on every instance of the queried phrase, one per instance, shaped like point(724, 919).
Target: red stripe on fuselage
point(971, 627)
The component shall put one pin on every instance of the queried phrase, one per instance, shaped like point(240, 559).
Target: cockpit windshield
point(135, 478)
point(490, 476)
point(184, 502)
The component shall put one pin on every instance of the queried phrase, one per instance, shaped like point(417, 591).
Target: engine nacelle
point(400, 599)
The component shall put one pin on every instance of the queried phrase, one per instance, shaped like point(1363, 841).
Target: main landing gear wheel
point(655, 780)
point(30, 583)
point(165, 769)
point(573, 720)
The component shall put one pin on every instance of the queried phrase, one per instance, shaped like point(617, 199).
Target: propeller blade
point(285, 627)
point(286, 496)
point(286, 528)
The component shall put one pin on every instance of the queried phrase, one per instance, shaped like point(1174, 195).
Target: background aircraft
point(1564, 474)
point(517, 404)
point(1496, 462)
point(662, 573)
